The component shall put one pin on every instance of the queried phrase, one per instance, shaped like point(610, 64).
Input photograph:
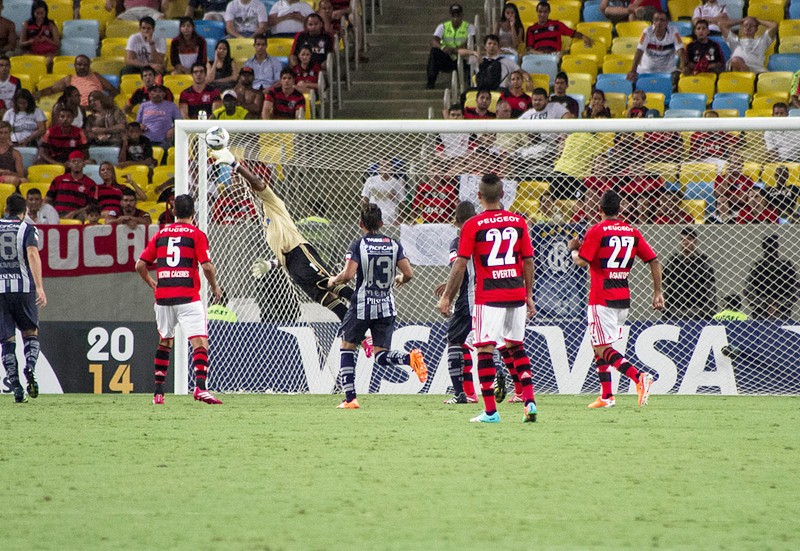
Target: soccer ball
point(217, 138)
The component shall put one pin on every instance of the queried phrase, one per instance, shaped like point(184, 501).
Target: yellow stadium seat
point(766, 101)
point(540, 80)
point(49, 80)
point(171, 156)
point(655, 100)
point(44, 173)
point(25, 81)
point(113, 47)
point(790, 45)
point(625, 45)
point(618, 63)
point(725, 113)
point(703, 83)
point(129, 84)
point(565, 207)
point(108, 65)
point(616, 102)
point(242, 48)
point(32, 65)
point(279, 47)
point(597, 50)
point(527, 13)
point(6, 190)
point(162, 173)
point(532, 189)
point(681, 9)
point(529, 208)
point(60, 11)
point(581, 83)
point(632, 29)
point(772, 11)
point(768, 174)
point(177, 84)
point(774, 81)
point(138, 173)
point(696, 208)
point(600, 30)
point(471, 96)
point(70, 222)
point(41, 186)
point(743, 83)
point(121, 28)
point(566, 10)
point(788, 27)
point(697, 172)
point(586, 64)
point(752, 170)
point(158, 155)
point(667, 171)
point(96, 10)
point(46, 103)
point(758, 113)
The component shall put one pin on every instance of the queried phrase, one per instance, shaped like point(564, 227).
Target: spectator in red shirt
point(188, 48)
point(515, 94)
point(757, 209)
point(670, 210)
point(315, 38)
point(129, 214)
point(481, 110)
point(72, 191)
point(61, 139)
point(283, 100)
point(544, 36)
point(199, 96)
point(306, 72)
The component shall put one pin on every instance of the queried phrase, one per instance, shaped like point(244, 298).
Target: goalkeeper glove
point(262, 267)
point(223, 156)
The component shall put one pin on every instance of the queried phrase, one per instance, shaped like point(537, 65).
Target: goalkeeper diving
point(293, 251)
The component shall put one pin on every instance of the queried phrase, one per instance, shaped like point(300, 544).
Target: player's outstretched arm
point(658, 295)
point(256, 184)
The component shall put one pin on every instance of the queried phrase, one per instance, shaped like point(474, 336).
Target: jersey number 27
point(622, 246)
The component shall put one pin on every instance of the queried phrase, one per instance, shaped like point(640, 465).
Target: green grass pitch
point(404, 472)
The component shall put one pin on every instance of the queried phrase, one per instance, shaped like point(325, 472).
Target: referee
point(21, 292)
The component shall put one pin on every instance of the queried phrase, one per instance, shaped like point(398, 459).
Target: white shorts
point(605, 324)
point(191, 316)
point(499, 325)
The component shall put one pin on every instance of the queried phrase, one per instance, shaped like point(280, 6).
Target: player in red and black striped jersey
point(609, 250)
point(499, 245)
point(179, 251)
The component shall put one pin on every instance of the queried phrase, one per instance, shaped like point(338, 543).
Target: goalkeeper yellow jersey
point(282, 234)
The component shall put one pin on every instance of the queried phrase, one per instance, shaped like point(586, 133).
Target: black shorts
point(307, 270)
point(354, 329)
point(17, 311)
point(459, 326)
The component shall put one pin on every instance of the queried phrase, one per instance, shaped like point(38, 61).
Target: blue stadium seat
point(93, 172)
point(794, 10)
point(792, 113)
point(103, 154)
point(688, 101)
point(699, 190)
point(614, 82)
point(784, 62)
point(683, 27)
point(581, 99)
point(541, 64)
point(731, 100)
point(735, 8)
point(29, 155)
point(17, 11)
point(113, 79)
point(683, 114)
point(167, 28)
point(210, 29)
point(81, 28)
point(77, 45)
point(726, 50)
point(211, 45)
point(592, 14)
point(656, 82)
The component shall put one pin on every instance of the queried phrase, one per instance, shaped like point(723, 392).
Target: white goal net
point(716, 198)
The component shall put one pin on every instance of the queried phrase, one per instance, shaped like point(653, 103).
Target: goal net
point(716, 198)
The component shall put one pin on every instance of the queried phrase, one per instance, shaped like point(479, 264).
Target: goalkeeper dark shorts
point(307, 270)
point(459, 326)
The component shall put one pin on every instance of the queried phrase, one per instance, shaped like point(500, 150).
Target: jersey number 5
point(497, 237)
point(620, 243)
point(173, 251)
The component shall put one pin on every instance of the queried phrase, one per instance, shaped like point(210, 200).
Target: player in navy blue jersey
point(373, 260)
point(21, 292)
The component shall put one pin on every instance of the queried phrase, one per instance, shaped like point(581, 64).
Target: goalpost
point(554, 171)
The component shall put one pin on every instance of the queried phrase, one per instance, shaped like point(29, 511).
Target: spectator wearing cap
point(158, 117)
point(230, 109)
point(61, 139)
point(448, 38)
point(690, 281)
point(71, 192)
point(266, 68)
point(199, 96)
point(246, 95)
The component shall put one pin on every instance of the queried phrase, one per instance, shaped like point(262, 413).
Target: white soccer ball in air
point(217, 138)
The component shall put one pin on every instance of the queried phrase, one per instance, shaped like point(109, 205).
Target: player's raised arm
point(255, 182)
